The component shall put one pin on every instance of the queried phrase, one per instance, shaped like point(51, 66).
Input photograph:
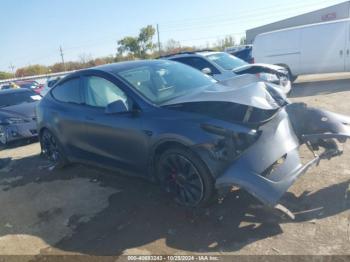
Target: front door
point(116, 138)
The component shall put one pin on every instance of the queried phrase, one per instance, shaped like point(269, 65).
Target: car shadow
point(319, 88)
point(141, 214)
point(136, 220)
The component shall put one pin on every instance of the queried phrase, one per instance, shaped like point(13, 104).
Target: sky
point(32, 31)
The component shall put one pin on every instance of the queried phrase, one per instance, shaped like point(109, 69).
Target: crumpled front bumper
point(270, 166)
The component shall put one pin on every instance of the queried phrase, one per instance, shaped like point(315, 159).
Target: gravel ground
point(83, 210)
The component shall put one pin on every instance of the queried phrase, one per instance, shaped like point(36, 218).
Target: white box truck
point(310, 49)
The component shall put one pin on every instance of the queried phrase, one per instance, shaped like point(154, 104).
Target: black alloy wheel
point(185, 177)
point(51, 149)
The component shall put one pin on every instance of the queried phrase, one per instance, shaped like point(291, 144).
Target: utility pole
point(61, 51)
point(159, 50)
point(12, 67)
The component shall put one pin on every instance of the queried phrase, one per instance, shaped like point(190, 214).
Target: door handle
point(341, 52)
point(347, 52)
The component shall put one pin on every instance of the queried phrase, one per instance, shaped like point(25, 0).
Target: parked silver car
point(223, 67)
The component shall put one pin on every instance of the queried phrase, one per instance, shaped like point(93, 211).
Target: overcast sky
point(31, 31)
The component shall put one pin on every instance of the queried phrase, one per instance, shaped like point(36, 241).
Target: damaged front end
point(270, 163)
point(268, 73)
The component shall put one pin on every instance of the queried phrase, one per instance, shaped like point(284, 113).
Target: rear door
point(66, 114)
point(323, 48)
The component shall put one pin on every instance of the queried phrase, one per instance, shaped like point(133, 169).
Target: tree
point(145, 40)
point(129, 44)
point(5, 75)
point(139, 46)
point(243, 40)
point(172, 45)
point(85, 58)
point(32, 70)
point(228, 41)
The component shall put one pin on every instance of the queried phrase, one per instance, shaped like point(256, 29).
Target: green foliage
point(228, 41)
point(5, 75)
point(129, 44)
point(32, 70)
point(138, 47)
point(129, 48)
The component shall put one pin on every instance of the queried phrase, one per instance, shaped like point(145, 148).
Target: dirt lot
point(91, 211)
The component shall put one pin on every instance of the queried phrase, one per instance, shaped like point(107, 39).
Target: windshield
point(15, 98)
point(165, 80)
point(226, 61)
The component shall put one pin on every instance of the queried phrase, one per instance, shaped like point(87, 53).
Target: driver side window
point(99, 92)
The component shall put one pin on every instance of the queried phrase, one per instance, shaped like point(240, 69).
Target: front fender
point(270, 166)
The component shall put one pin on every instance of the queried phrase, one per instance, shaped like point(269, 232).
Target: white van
point(309, 49)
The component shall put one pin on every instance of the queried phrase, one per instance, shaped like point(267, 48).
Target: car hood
point(24, 110)
point(253, 94)
point(259, 68)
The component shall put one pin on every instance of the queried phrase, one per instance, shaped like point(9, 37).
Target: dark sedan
point(17, 114)
point(171, 123)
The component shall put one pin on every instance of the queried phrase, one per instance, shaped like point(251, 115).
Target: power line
point(250, 12)
point(214, 21)
point(239, 19)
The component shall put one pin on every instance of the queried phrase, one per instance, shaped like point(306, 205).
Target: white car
point(223, 67)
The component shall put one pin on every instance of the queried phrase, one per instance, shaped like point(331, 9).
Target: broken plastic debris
point(285, 211)
point(276, 250)
point(213, 245)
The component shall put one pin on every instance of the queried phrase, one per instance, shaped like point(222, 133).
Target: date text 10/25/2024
point(172, 258)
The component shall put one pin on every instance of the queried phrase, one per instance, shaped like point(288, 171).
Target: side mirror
point(116, 107)
point(206, 71)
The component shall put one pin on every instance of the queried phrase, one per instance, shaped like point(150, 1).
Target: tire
point(52, 149)
point(291, 77)
point(186, 177)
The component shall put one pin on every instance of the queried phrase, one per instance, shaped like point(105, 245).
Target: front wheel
point(291, 77)
point(185, 176)
point(52, 150)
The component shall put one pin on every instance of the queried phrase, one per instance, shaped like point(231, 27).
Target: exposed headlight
point(232, 143)
point(269, 77)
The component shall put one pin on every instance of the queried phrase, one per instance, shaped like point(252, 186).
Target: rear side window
point(198, 63)
point(68, 91)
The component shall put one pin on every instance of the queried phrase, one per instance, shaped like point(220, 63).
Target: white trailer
point(310, 49)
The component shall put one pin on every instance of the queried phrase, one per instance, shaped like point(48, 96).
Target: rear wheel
point(52, 150)
point(185, 176)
